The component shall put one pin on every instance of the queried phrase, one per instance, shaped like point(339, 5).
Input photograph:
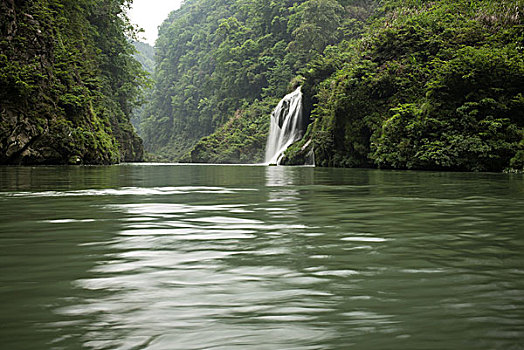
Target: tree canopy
point(214, 56)
point(68, 82)
point(408, 84)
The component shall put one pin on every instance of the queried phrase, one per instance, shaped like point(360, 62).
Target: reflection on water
point(211, 257)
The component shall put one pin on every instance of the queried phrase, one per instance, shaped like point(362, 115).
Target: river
point(156, 256)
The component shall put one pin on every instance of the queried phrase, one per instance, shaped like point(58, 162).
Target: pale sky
point(149, 14)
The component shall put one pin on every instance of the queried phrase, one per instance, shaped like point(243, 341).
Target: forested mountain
point(408, 84)
point(213, 57)
point(145, 55)
point(68, 82)
point(429, 85)
point(401, 83)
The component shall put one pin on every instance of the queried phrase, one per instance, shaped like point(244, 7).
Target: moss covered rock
point(67, 82)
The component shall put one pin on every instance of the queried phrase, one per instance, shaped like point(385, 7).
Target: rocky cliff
point(67, 82)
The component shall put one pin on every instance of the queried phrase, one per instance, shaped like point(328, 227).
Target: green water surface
point(252, 257)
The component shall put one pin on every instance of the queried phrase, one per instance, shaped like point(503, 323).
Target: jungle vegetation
point(214, 57)
point(68, 82)
point(429, 85)
point(408, 84)
point(404, 84)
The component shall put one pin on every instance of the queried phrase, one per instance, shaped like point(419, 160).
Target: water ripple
point(130, 191)
point(256, 258)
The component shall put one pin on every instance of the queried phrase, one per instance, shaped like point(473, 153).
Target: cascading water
point(287, 126)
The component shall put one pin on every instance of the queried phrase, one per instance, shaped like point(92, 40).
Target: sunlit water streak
point(185, 257)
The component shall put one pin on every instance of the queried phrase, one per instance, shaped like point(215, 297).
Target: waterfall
point(287, 126)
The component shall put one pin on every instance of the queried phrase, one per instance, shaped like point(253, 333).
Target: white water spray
point(287, 126)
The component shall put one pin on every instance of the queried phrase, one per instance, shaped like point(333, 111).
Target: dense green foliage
point(407, 84)
point(145, 55)
point(68, 82)
point(242, 139)
point(214, 56)
point(429, 85)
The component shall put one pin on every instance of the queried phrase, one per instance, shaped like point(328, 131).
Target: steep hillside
point(430, 85)
point(404, 84)
point(145, 55)
point(67, 83)
point(241, 140)
point(215, 56)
